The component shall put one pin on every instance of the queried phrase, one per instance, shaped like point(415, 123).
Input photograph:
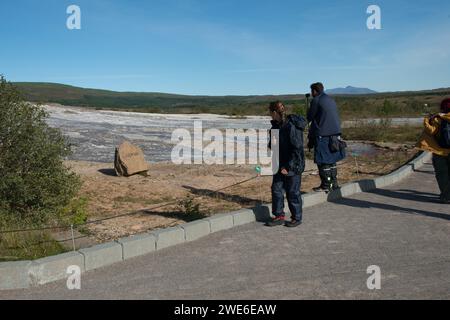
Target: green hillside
point(381, 104)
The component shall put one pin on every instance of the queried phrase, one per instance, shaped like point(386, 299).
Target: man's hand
point(284, 172)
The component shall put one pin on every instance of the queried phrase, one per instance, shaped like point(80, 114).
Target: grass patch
point(383, 132)
point(28, 246)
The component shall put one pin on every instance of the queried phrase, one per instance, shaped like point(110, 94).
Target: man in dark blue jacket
point(291, 166)
point(324, 136)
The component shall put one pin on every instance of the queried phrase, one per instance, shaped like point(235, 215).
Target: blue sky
point(223, 47)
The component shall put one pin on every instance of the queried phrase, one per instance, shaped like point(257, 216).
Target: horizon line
point(228, 95)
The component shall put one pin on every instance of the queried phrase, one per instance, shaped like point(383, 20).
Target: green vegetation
point(190, 209)
point(398, 104)
point(35, 187)
point(28, 246)
point(383, 131)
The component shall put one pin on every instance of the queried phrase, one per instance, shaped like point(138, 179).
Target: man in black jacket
point(291, 166)
point(324, 131)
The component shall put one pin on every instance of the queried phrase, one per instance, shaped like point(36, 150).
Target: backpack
point(443, 136)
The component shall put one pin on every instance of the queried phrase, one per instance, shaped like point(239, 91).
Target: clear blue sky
point(218, 47)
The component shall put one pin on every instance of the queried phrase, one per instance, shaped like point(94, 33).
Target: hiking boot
point(321, 189)
point(277, 221)
point(334, 180)
point(293, 223)
point(326, 178)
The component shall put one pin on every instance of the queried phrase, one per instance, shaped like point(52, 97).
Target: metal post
point(73, 238)
point(357, 167)
point(260, 190)
point(258, 181)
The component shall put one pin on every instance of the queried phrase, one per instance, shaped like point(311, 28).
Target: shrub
point(190, 209)
point(35, 186)
point(388, 109)
point(299, 109)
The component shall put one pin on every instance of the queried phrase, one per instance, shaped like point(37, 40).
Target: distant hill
point(145, 101)
point(351, 101)
point(351, 91)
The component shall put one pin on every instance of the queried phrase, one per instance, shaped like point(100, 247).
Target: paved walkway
point(402, 229)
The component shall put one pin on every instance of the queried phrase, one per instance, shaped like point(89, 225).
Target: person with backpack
point(291, 166)
point(436, 139)
point(325, 137)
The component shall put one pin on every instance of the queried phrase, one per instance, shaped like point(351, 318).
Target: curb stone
point(168, 237)
point(14, 275)
point(137, 245)
point(54, 268)
point(101, 255)
point(196, 230)
point(221, 221)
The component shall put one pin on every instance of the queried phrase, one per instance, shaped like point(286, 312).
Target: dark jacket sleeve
point(312, 111)
point(295, 157)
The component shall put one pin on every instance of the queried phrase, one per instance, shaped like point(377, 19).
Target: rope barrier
point(159, 206)
point(125, 214)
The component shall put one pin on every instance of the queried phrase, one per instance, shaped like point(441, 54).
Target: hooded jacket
point(427, 141)
point(292, 156)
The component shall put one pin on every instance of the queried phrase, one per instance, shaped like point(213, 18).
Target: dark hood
point(298, 121)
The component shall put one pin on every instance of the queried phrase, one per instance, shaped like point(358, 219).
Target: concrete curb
point(24, 274)
point(50, 269)
point(169, 237)
point(138, 245)
point(101, 255)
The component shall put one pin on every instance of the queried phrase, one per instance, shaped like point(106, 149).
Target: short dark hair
point(318, 86)
point(277, 106)
point(445, 105)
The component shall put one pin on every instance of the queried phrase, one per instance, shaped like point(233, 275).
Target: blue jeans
point(291, 185)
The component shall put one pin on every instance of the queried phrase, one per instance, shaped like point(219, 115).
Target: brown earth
point(166, 183)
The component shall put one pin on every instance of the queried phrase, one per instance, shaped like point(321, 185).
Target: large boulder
point(129, 160)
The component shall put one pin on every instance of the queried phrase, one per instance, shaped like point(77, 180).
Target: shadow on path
point(409, 195)
point(388, 207)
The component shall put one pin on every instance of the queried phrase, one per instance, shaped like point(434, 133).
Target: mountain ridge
point(349, 90)
point(154, 102)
